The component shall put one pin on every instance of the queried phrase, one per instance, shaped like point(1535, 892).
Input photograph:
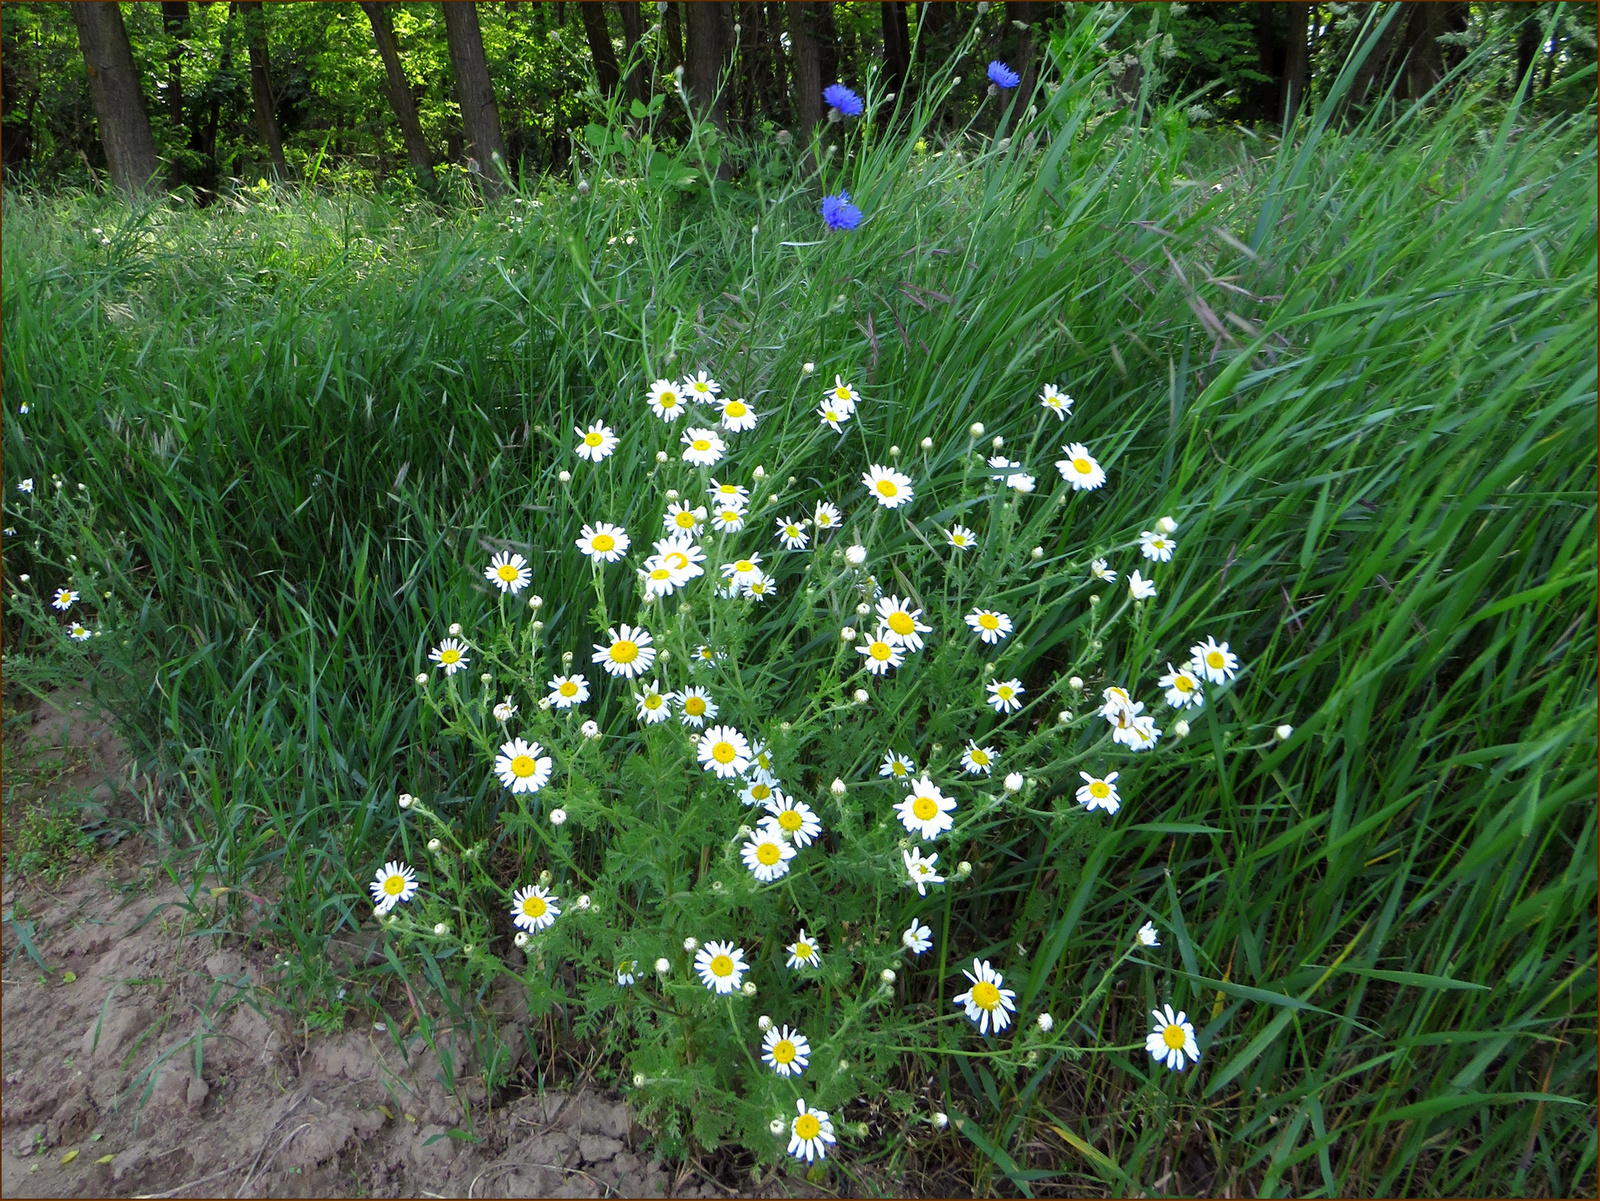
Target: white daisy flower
point(880, 653)
point(1139, 735)
point(926, 812)
point(595, 443)
point(901, 620)
point(681, 555)
point(702, 447)
point(1099, 570)
point(987, 1003)
point(625, 971)
point(804, 951)
point(897, 767)
point(683, 519)
point(1215, 661)
point(705, 658)
point(64, 598)
point(533, 908)
point(1172, 1039)
point(961, 537)
point(794, 818)
point(767, 854)
point(1079, 468)
point(785, 1051)
point(508, 572)
point(979, 760)
point(1183, 687)
point(921, 870)
point(916, 937)
point(697, 706)
point(844, 395)
point(722, 749)
point(567, 691)
point(1005, 695)
point(1116, 701)
point(1139, 587)
point(757, 792)
point(810, 1134)
point(701, 387)
point(889, 487)
point(1156, 547)
point(742, 570)
point(1056, 401)
point(792, 534)
point(79, 632)
point(737, 416)
point(604, 542)
point(666, 401)
point(1099, 792)
point(523, 766)
point(826, 516)
point(26, 485)
point(1147, 935)
point(761, 764)
point(659, 579)
point(727, 520)
point(505, 711)
point(721, 967)
point(652, 705)
point(989, 625)
point(630, 653)
point(729, 495)
point(394, 885)
point(833, 416)
point(450, 654)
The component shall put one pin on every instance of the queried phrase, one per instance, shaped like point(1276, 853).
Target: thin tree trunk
point(118, 102)
point(598, 32)
point(896, 45)
point(475, 92)
point(1375, 68)
point(638, 84)
point(1424, 55)
point(674, 27)
point(175, 24)
point(702, 72)
point(1295, 60)
point(803, 22)
point(400, 97)
point(255, 32)
point(1527, 42)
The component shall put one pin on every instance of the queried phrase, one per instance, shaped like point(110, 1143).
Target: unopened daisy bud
point(661, 456)
point(861, 696)
point(1036, 553)
point(1031, 1058)
point(927, 444)
point(638, 1077)
point(785, 726)
point(591, 729)
point(1046, 1021)
point(963, 869)
point(521, 939)
point(760, 472)
point(1075, 683)
point(485, 678)
point(1095, 599)
point(566, 657)
point(749, 988)
point(779, 1127)
point(422, 678)
point(988, 668)
point(983, 7)
point(405, 800)
point(1180, 728)
point(565, 477)
point(440, 929)
point(558, 817)
point(691, 945)
point(848, 634)
point(433, 845)
point(662, 968)
point(1014, 782)
point(544, 876)
point(956, 82)
point(672, 494)
point(863, 609)
point(25, 577)
point(1283, 733)
point(844, 1065)
point(455, 629)
point(938, 748)
point(976, 430)
point(887, 975)
point(470, 947)
point(584, 902)
point(856, 555)
point(764, 1023)
point(1064, 716)
point(536, 601)
point(745, 831)
point(894, 452)
point(837, 787)
point(807, 368)
point(940, 1120)
point(998, 442)
point(1167, 525)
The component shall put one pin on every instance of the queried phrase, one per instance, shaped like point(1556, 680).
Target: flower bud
point(590, 729)
point(638, 1077)
point(887, 975)
point(661, 456)
point(1046, 1021)
point(998, 442)
point(1283, 733)
point(1075, 683)
point(894, 452)
point(927, 444)
point(565, 477)
point(422, 678)
point(1064, 716)
point(672, 494)
point(749, 988)
point(521, 939)
point(863, 609)
point(837, 787)
point(778, 1127)
point(455, 629)
point(536, 601)
point(1180, 728)
point(764, 1023)
point(940, 1120)
point(976, 429)
point(1036, 553)
point(760, 472)
point(583, 187)
point(440, 929)
point(963, 869)
point(25, 577)
point(848, 634)
point(662, 968)
point(855, 556)
point(1014, 782)
point(691, 945)
point(433, 845)
point(861, 696)
point(584, 902)
point(566, 658)
point(405, 800)
point(807, 368)
point(558, 817)
point(1167, 525)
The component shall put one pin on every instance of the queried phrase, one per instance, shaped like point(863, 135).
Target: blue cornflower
point(839, 213)
point(1003, 76)
point(843, 99)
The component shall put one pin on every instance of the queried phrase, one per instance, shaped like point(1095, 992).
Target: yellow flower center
point(506, 572)
point(807, 1127)
point(701, 387)
point(791, 531)
point(985, 995)
point(653, 701)
point(592, 439)
point(881, 651)
point(661, 573)
point(624, 651)
point(723, 752)
point(887, 488)
point(394, 886)
point(802, 950)
point(743, 567)
point(569, 689)
point(1081, 466)
point(721, 965)
point(1214, 659)
point(701, 444)
point(730, 516)
point(980, 757)
point(1183, 683)
point(1099, 790)
point(523, 766)
point(898, 768)
point(842, 393)
point(760, 791)
point(667, 400)
point(603, 542)
point(534, 906)
point(449, 655)
point(789, 819)
point(901, 623)
point(925, 808)
point(677, 558)
point(735, 408)
point(783, 1051)
point(1005, 692)
point(1173, 1036)
point(694, 706)
point(989, 621)
point(684, 520)
point(768, 853)
point(823, 520)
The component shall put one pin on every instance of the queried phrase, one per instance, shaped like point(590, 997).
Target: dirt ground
point(145, 1057)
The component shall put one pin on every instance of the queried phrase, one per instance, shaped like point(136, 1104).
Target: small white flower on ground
point(523, 766)
point(926, 812)
point(903, 624)
point(630, 652)
point(1005, 695)
point(697, 706)
point(785, 1051)
point(961, 537)
point(625, 971)
point(26, 485)
point(701, 387)
point(979, 760)
point(741, 571)
point(64, 598)
point(810, 1133)
point(833, 416)
point(921, 871)
point(792, 534)
point(702, 447)
point(804, 951)
point(1172, 1039)
point(683, 519)
point(79, 632)
point(450, 654)
point(595, 443)
point(916, 937)
point(652, 706)
point(665, 400)
point(1046, 1021)
point(1283, 733)
point(1099, 570)
point(855, 555)
point(395, 884)
point(567, 691)
point(604, 542)
point(533, 908)
point(896, 766)
point(940, 1120)
point(1167, 525)
point(1147, 935)
point(889, 487)
point(767, 855)
point(758, 792)
point(880, 653)
point(1140, 588)
point(1183, 688)
point(1079, 468)
point(1013, 782)
point(1215, 661)
point(795, 818)
point(987, 1003)
point(737, 416)
point(1099, 792)
point(505, 711)
point(1156, 547)
point(725, 751)
point(989, 625)
point(826, 516)
point(1055, 401)
point(843, 394)
point(721, 967)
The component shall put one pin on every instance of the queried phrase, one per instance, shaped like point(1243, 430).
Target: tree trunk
point(1527, 42)
point(1267, 96)
point(1025, 64)
point(598, 32)
point(673, 25)
point(804, 20)
point(114, 88)
point(702, 72)
point(175, 23)
point(638, 82)
point(475, 92)
point(1424, 55)
point(255, 33)
point(1375, 69)
point(896, 45)
point(400, 97)
point(1295, 60)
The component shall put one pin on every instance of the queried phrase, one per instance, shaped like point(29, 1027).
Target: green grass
point(1359, 367)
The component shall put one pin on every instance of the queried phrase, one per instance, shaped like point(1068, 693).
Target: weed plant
point(1356, 369)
